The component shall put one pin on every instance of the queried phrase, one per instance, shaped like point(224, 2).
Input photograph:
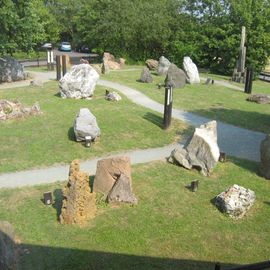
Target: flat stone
point(259, 98)
point(113, 96)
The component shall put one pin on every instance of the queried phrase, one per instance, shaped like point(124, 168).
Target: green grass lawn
point(49, 138)
point(170, 228)
point(213, 101)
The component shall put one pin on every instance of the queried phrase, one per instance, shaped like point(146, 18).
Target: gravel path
point(233, 140)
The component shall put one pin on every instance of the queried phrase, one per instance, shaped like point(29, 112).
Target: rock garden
point(129, 213)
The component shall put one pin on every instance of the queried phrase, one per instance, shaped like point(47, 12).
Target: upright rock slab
point(11, 70)
point(163, 66)
point(122, 191)
point(79, 204)
point(146, 76)
point(176, 77)
point(201, 150)
point(85, 124)
point(80, 82)
point(265, 157)
point(108, 171)
point(235, 201)
point(191, 70)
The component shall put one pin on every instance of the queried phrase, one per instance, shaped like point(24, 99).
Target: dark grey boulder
point(176, 77)
point(86, 125)
point(11, 70)
point(259, 98)
point(265, 157)
point(146, 76)
point(122, 191)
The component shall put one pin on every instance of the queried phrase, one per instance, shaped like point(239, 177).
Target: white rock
point(80, 82)
point(191, 70)
point(235, 201)
point(113, 96)
point(86, 125)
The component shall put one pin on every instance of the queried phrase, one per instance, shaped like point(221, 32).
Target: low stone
point(122, 62)
point(14, 110)
point(85, 124)
point(122, 191)
point(108, 171)
point(11, 70)
point(201, 150)
point(176, 77)
point(80, 82)
point(38, 83)
point(111, 63)
point(163, 66)
point(259, 98)
point(265, 157)
point(8, 250)
point(146, 76)
point(191, 70)
point(79, 204)
point(235, 201)
point(113, 96)
point(151, 64)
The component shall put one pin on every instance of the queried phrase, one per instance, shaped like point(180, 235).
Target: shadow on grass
point(57, 95)
point(248, 165)
point(154, 118)
point(46, 257)
point(71, 134)
point(268, 203)
point(58, 201)
point(250, 120)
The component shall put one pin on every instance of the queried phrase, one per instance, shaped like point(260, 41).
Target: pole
point(168, 107)
point(248, 82)
point(64, 64)
point(58, 67)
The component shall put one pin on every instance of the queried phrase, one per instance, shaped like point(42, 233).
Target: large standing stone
point(163, 66)
point(176, 77)
point(265, 157)
point(151, 64)
point(108, 171)
point(11, 70)
point(259, 98)
point(146, 76)
point(122, 191)
point(235, 201)
point(79, 204)
point(191, 70)
point(80, 82)
point(8, 250)
point(201, 150)
point(86, 125)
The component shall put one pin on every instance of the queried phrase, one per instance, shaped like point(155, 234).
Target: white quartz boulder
point(78, 83)
point(191, 70)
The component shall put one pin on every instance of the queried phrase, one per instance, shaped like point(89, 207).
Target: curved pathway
point(233, 140)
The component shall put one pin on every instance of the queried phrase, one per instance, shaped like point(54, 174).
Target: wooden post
point(64, 64)
point(58, 67)
point(248, 82)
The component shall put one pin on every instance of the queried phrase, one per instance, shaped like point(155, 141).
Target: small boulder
point(176, 77)
point(113, 96)
point(86, 125)
point(191, 70)
point(111, 63)
point(108, 171)
point(151, 64)
point(122, 191)
point(80, 82)
point(235, 201)
point(146, 76)
point(265, 157)
point(259, 98)
point(11, 70)
point(163, 66)
point(37, 83)
point(79, 204)
point(201, 150)
point(122, 62)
